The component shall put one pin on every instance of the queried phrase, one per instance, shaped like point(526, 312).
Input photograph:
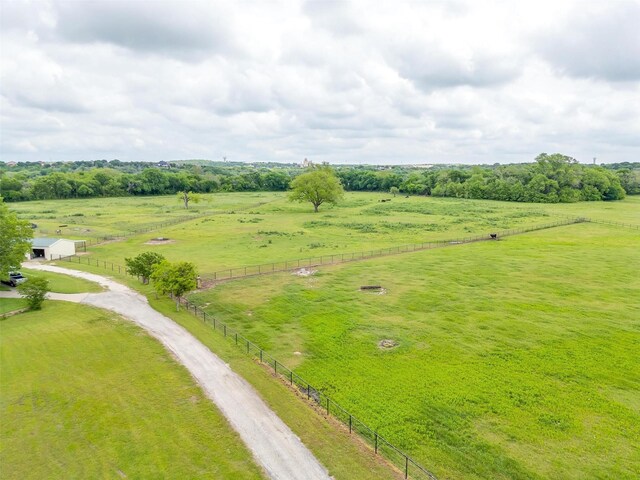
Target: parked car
point(15, 279)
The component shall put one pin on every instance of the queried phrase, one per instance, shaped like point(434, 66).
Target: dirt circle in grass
point(304, 272)
point(159, 241)
point(387, 343)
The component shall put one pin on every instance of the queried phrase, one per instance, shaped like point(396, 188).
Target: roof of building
point(43, 242)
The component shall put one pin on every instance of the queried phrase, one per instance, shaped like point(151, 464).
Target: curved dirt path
point(274, 446)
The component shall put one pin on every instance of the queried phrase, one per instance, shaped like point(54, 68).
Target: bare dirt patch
point(304, 272)
point(159, 241)
point(387, 344)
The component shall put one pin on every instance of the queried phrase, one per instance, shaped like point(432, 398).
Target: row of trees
point(167, 278)
point(551, 178)
point(107, 182)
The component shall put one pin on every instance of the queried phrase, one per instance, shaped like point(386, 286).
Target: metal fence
point(156, 226)
point(409, 467)
point(380, 445)
point(266, 268)
point(617, 224)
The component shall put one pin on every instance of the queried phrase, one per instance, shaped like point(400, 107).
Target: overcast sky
point(343, 82)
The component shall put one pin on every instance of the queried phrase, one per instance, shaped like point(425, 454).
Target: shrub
point(34, 290)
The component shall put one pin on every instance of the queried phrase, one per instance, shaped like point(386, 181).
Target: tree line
point(550, 179)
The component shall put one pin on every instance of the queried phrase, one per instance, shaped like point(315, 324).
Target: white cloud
point(338, 81)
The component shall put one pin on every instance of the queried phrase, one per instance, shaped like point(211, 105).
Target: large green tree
point(14, 239)
point(318, 186)
point(174, 278)
point(187, 197)
point(142, 265)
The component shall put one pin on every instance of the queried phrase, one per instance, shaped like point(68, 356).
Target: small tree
point(187, 197)
point(394, 191)
point(174, 278)
point(34, 290)
point(142, 265)
point(318, 186)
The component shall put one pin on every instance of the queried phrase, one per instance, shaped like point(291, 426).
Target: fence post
point(349, 423)
point(308, 391)
point(236, 338)
point(291, 376)
point(406, 467)
point(261, 356)
point(225, 330)
point(376, 435)
point(275, 366)
point(327, 405)
point(247, 346)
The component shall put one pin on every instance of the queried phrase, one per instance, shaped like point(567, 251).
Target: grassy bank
point(87, 395)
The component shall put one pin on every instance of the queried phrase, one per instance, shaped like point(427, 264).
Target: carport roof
point(43, 242)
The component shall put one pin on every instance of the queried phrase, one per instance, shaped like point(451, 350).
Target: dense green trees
point(551, 178)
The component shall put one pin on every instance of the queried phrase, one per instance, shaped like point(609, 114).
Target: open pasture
point(280, 231)
point(508, 359)
point(87, 395)
point(511, 356)
point(99, 217)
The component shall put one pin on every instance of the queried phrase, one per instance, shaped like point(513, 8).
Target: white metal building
point(52, 248)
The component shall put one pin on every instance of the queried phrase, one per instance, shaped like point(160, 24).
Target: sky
point(361, 82)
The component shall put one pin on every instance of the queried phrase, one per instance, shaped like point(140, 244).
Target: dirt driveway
point(275, 447)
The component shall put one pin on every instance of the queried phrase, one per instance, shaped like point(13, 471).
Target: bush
point(35, 291)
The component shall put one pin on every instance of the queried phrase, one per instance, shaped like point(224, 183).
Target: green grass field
point(87, 395)
point(11, 304)
point(86, 219)
point(280, 230)
point(515, 359)
point(60, 283)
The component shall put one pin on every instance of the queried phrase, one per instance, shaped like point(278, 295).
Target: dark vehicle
point(15, 279)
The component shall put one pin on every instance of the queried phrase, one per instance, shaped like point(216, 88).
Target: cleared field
point(96, 217)
point(514, 359)
point(280, 230)
point(86, 395)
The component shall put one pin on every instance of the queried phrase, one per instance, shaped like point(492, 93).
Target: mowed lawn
point(60, 283)
point(11, 304)
point(280, 230)
point(516, 358)
point(85, 394)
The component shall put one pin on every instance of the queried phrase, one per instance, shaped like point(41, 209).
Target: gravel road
point(275, 447)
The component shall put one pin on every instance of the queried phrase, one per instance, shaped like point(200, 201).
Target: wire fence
point(288, 265)
point(617, 224)
point(380, 445)
point(157, 226)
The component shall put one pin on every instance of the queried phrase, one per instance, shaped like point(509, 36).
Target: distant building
point(53, 248)
point(11, 164)
point(163, 164)
point(307, 163)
